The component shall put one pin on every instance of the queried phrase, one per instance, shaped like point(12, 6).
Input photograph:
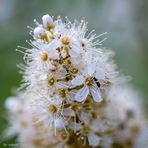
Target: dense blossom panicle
point(71, 97)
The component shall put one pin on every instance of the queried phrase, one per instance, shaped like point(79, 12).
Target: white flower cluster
point(70, 98)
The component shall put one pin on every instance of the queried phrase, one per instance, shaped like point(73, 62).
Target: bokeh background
point(126, 22)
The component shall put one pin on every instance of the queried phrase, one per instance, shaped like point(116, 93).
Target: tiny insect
point(97, 82)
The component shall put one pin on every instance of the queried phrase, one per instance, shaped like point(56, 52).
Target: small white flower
point(88, 131)
point(89, 87)
point(48, 111)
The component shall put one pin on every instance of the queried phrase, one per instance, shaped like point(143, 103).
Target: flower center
point(64, 136)
point(50, 26)
point(44, 56)
point(43, 37)
point(74, 70)
point(86, 129)
point(75, 106)
point(62, 93)
point(94, 115)
point(67, 61)
point(51, 81)
point(89, 81)
point(65, 40)
point(52, 108)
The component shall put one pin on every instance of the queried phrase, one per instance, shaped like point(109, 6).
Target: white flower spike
point(70, 96)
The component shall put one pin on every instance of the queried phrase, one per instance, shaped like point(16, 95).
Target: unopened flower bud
point(13, 105)
point(40, 33)
point(47, 22)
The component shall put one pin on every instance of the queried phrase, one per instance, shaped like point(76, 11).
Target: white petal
point(54, 45)
point(96, 128)
point(76, 48)
point(107, 142)
point(59, 123)
point(91, 69)
point(53, 53)
point(78, 80)
point(76, 126)
point(93, 139)
point(96, 94)
point(68, 112)
point(73, 54)
point(62, 72)
point(43, 77)
point(62, 85)
point(100, 74)
point(75, 51)
point(84, 116)
point(57, 101)
point(49, 119)
point(82, 94)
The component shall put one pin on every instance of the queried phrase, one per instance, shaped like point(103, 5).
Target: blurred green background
point(126, 21)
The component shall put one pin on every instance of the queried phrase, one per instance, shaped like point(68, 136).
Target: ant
point(97, 82)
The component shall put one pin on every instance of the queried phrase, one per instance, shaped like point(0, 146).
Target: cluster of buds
point(70, 96)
